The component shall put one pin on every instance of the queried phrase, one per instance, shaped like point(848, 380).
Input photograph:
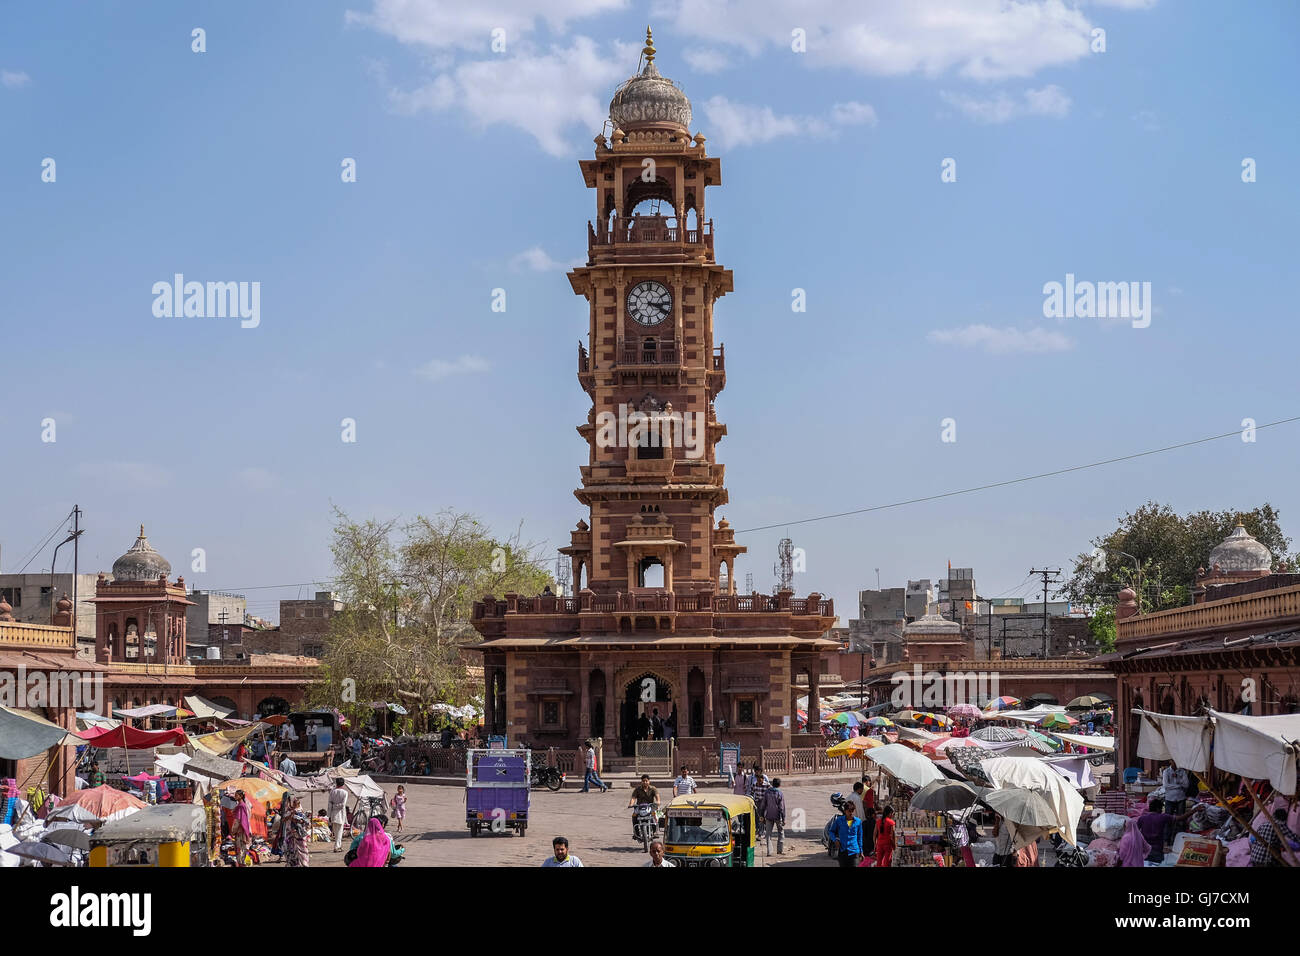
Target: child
point(399, 807)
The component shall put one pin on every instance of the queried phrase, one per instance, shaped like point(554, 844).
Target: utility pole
point(1054, 572)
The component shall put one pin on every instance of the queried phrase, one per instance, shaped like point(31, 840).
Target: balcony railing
point(656, 601)
point(37, 635)
point(1270, 606)
point(665, 355)
point(653, 231)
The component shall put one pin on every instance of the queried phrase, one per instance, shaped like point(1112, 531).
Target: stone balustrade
point(1229, 613)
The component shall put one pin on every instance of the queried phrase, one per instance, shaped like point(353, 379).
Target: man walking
point(338, 811)
point(657, 855)
point(846, 836)
point(774, 817)
point(589, 761)
point(562, 857)
point(756, 790)
point(684, 784)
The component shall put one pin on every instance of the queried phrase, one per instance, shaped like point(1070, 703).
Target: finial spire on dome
point(142, 529)
point(649, 50)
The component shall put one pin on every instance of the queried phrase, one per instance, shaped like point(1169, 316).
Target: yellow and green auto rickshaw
point(169, 835)
point(705, 830)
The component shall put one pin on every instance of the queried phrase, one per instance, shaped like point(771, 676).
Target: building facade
point(652, 625)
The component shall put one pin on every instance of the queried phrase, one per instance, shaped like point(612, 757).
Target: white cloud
point(435, 370)
point(446, 24)
point(544, 94)
point(742, 124)
point(536, 259)
point(1002, 341)
point(979, 39)
point(1048, 101)
point(14, 80)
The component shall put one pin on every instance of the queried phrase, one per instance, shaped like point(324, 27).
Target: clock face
point(649, 303)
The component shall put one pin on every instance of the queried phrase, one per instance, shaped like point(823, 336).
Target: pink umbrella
point(965, 710)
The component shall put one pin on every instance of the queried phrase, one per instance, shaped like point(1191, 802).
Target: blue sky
point(924, 298)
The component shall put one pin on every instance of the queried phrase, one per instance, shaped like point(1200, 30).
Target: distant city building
point(878, 629)
point(214, 620)
point(304, 627)
point(918, 597)
point(33, 598)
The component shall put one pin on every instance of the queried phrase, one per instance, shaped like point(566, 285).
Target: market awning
point(131, 738)
point(205, 708)
point(1092, 743)
point(152, 710)
point(25, 735)
point(223, 741)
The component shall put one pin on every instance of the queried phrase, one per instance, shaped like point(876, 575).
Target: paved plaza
point(598, 826)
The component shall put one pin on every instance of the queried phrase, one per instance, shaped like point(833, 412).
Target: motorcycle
point(549, 777)
point(837, 801)
point(645, 825)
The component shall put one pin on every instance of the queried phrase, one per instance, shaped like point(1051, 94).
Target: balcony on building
point(648, 238)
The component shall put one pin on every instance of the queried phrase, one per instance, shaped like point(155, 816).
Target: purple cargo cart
point(496, 790)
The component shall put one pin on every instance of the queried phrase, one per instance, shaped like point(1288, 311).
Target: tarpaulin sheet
point(151, 710)
point(223, 741)
point(211, 765)
point(1184, 740)
point(130, 738)
point(24, 736)
point(1262, 748)
point(1092, 743)
point(205, 708)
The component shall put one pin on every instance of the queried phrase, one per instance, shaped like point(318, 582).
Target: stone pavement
point(598, 826)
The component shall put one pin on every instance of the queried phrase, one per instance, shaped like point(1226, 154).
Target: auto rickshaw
point(702, 830)
point(497, 790)
point(168, 835)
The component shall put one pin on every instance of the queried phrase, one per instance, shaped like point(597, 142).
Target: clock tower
point(655, 634)
point(650, 362)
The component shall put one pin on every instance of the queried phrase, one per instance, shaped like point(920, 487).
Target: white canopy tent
point(1031, 773)
point(1261, 748)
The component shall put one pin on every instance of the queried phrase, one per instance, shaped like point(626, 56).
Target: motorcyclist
point(647, 794)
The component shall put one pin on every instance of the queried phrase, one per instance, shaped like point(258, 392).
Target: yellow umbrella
point(853, 746)
point(264, 791)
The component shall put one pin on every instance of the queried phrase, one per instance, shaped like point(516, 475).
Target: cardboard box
point(1201, 852)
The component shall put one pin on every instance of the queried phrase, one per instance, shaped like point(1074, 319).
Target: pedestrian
point(657, 855)
point(376, 847)
point(338, 811)
point(859, 804)
point(885, 838)
point(1133, 847)
point(657, 725)
point(288, 766)
point(959, 837)
point(643, 727)
point(1002, 844)
point(759, 785)
point(868, 812)
point(589, 761)
point(562, 856)
point(774, 817)
point(740, 780)
point(1157, 827)
point(357, 744)
point(241, 827)
point(96, 775)
point(1174, 779)
point(399, 806)
point(684, 784)
point(846, 837)
point(646, 793)
point(294, 831)
point(1271, 836)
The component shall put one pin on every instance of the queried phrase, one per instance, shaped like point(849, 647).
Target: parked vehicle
point(549, 777)
point(497, 790)
point(169, 835)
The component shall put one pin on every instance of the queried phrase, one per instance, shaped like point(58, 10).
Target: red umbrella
point(104, 801)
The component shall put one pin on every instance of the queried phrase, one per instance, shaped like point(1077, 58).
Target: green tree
point(409, 591)
point(1168, 550)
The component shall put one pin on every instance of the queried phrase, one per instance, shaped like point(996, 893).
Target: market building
point(141, 643)
point(656, 622)
point(1234, 649)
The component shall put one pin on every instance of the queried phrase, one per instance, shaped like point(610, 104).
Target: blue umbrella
point(847, 718)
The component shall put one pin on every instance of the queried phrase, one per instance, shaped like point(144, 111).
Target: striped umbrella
point(999, 734)
point(1002, 703)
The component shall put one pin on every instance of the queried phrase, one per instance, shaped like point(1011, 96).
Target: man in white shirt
point(288, 766)
point(856, 799)
point(683, 784)
point(657, 855)
point(338, 811)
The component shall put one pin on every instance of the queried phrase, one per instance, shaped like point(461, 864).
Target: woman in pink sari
point(375, 847)
point(1133, 846)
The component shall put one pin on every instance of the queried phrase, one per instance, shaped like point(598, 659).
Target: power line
point(1016, 481)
